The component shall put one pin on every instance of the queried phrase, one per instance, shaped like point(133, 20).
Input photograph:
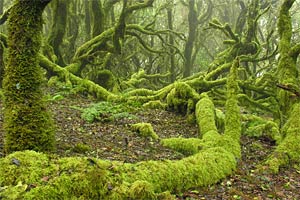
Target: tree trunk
point(188, 50)
point(288, 151)
point(59, 24)
point(87, 20)
point(73, 29)
point(27, 124)
point(287, 72)
point(1, 6)
point(171, 41)
point(97, 18)
point(1, 63)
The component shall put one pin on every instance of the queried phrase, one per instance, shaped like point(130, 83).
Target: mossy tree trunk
point(287, 72)
point(101, 42)
point(1, 62)
point(27, 124)
point(72, 32)
point(171, 41)
point(188, 50)
point(1, 6)
point(1, 47)
point(59, 24)
point(87, 20)
point(97, 17)
point(288, 151)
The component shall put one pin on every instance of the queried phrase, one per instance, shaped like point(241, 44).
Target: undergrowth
point(106, 111)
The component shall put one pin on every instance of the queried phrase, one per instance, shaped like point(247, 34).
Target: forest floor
point(110, 137)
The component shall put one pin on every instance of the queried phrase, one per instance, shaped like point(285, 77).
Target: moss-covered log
point(205, 113)
point(27, 123)
point(206, 120)
point(87, 85)
point(37, 176)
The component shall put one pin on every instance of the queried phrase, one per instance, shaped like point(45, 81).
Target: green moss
point(255, 126)
point(1, 95)
point(81, 148)
point(142, 190)
point(13, 193)
point(86, 85)
point(213, 139)
point(178, 98)
point(104, 78)
point(26, 167)
point(287, 72)
point(205, 114)
point(78, 178)
point(27, 123)
point(137, 80)
point(43, 177)
point(288, 151)
point(140, 92)
point(232, 115)
point(220, 120)
point(205, 167)
point(157, 104)
point(166, 196)
point(186, 146)
point(145, 130)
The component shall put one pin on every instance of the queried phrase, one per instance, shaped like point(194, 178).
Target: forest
point(149, 99)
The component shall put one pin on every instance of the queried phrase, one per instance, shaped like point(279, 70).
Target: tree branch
point(4, 16)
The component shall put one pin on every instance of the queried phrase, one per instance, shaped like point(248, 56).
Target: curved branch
point(4, 16)
point(138, 6)
point(143, 43)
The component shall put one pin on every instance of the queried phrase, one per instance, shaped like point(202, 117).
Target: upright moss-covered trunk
point(59, 25)
point(27, 123)
point(287, 72)
point(188, 50)
point(1, 62)
point(288, 151)
point(97, 18)
point(171, 41)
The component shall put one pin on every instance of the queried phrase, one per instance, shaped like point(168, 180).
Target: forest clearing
point(151, 99)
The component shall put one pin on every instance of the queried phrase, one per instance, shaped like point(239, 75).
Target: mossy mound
point(182, 98)
point(145, 130)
